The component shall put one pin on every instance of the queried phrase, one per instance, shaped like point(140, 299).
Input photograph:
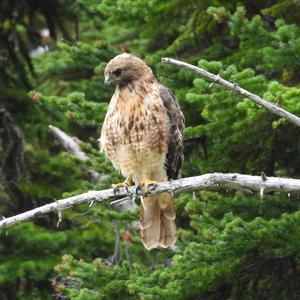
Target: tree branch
point(260, 184)
point(72, 145)
point(235, 88)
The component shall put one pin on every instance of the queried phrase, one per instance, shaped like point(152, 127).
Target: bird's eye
point(117, 72)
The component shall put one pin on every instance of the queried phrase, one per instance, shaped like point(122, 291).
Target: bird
point(142, 135)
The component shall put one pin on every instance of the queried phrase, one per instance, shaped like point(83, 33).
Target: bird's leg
point(128, 182)
point(146, 184)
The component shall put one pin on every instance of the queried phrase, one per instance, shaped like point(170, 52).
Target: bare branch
point(72, 145)
point(204, 182)
point(235, 88)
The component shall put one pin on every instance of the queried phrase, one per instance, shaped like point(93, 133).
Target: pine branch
point(235, 88)
point(213, 181)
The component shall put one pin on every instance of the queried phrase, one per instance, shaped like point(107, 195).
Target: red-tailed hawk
point(142, 135)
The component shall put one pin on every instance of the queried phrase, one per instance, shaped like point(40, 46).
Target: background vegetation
point(231, 245)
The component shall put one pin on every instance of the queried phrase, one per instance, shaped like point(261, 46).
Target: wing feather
point(175, 157)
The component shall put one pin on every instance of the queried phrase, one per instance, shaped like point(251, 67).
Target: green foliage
point(231, 245)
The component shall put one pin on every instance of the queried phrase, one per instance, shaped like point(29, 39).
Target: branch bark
point(235, 88)
point(70, 144)
point(259, 184)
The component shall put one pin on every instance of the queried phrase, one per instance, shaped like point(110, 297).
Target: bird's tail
point(157, 217)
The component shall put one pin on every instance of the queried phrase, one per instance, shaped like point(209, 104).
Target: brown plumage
point(142, 135)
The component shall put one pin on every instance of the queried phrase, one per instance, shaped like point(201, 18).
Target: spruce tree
point(231, 244)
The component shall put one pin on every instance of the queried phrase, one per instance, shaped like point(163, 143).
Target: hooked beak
point(107, 80)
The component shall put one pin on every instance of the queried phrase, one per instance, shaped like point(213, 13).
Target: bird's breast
point(136, 124)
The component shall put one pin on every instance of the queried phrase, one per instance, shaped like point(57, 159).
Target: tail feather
point(168, 234)
point(157, 221)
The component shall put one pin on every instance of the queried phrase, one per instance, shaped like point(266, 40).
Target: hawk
point(142, 135)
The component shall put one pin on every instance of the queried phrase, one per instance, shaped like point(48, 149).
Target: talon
point(137, 189)
point(115, 191)
point(117, 186)
point(128, 182)
point(146, 184)
point(137, 201)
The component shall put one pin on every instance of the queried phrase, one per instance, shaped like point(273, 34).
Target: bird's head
point(125, 68)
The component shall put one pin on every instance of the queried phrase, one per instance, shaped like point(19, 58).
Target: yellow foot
point(145, 184)
point(128, 182)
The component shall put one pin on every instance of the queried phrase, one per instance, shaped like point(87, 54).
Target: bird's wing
point(174, 159)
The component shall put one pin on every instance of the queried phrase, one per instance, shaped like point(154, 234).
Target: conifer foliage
point(231, 244)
